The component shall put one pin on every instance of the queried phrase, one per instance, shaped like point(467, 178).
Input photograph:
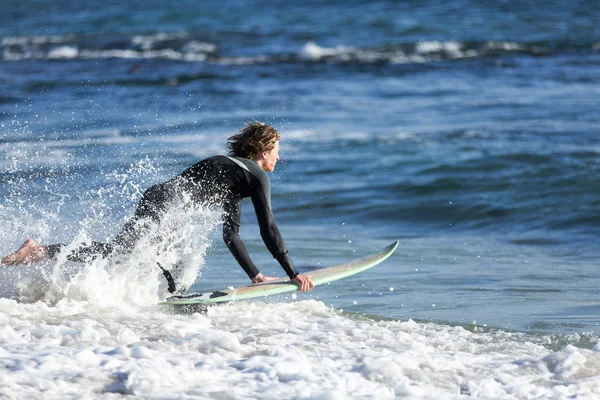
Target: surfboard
point(319, 277)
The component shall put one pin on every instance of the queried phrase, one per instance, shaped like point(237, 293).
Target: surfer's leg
point(148, 211)
point(85, 252)
point(125, 240)
point(133, 231)
point(150, 207)
point(121, 244)
point(29, 252)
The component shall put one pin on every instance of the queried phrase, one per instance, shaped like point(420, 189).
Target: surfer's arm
point(231, 228)
point(270, 232)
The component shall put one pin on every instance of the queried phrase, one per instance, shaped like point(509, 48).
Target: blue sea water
point(468, 130)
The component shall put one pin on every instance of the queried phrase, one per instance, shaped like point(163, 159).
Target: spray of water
point(178, 242)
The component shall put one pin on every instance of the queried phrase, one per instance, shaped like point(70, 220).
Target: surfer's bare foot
point(29, 252)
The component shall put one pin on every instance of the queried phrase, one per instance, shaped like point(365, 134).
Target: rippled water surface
point(466, 130)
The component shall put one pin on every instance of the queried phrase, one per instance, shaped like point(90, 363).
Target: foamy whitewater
point(82, 349)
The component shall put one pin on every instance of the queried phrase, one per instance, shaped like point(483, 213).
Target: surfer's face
point(269, 159)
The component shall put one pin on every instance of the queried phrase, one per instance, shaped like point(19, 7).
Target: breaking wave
point(184, 46)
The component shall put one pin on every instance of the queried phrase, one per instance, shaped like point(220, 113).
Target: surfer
point(223, 180)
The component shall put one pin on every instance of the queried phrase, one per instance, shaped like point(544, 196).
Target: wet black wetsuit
point(216, 180)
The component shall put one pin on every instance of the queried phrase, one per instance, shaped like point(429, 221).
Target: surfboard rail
point(319, 277)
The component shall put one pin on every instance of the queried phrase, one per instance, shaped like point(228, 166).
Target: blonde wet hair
point(253, 139)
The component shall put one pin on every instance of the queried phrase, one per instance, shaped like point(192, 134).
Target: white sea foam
point(194, 46)
point(63, 52)
point(271, 351)
point(170, 54)
point(435, 46)
point(406, 136)
point(508, 46)
point(147, 42)
point(67, 52)
point(423, 52)
point(37, 40)
point(182, 46)
point(313, 51)
point(144, 47)
point(242, 60)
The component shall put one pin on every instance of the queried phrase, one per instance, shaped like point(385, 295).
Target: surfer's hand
point(304, 282)
point(261, 278)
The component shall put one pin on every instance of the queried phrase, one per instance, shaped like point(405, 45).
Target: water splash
point(181, 238)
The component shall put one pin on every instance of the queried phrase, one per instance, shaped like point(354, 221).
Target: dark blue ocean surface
point(469, 130)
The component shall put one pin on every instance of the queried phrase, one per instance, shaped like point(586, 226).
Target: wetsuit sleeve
point(231, 229)
point(261, 198)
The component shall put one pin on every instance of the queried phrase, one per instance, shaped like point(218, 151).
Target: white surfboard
point(319, 277)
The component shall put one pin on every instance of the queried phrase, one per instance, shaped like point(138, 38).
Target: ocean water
point(468, 130)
